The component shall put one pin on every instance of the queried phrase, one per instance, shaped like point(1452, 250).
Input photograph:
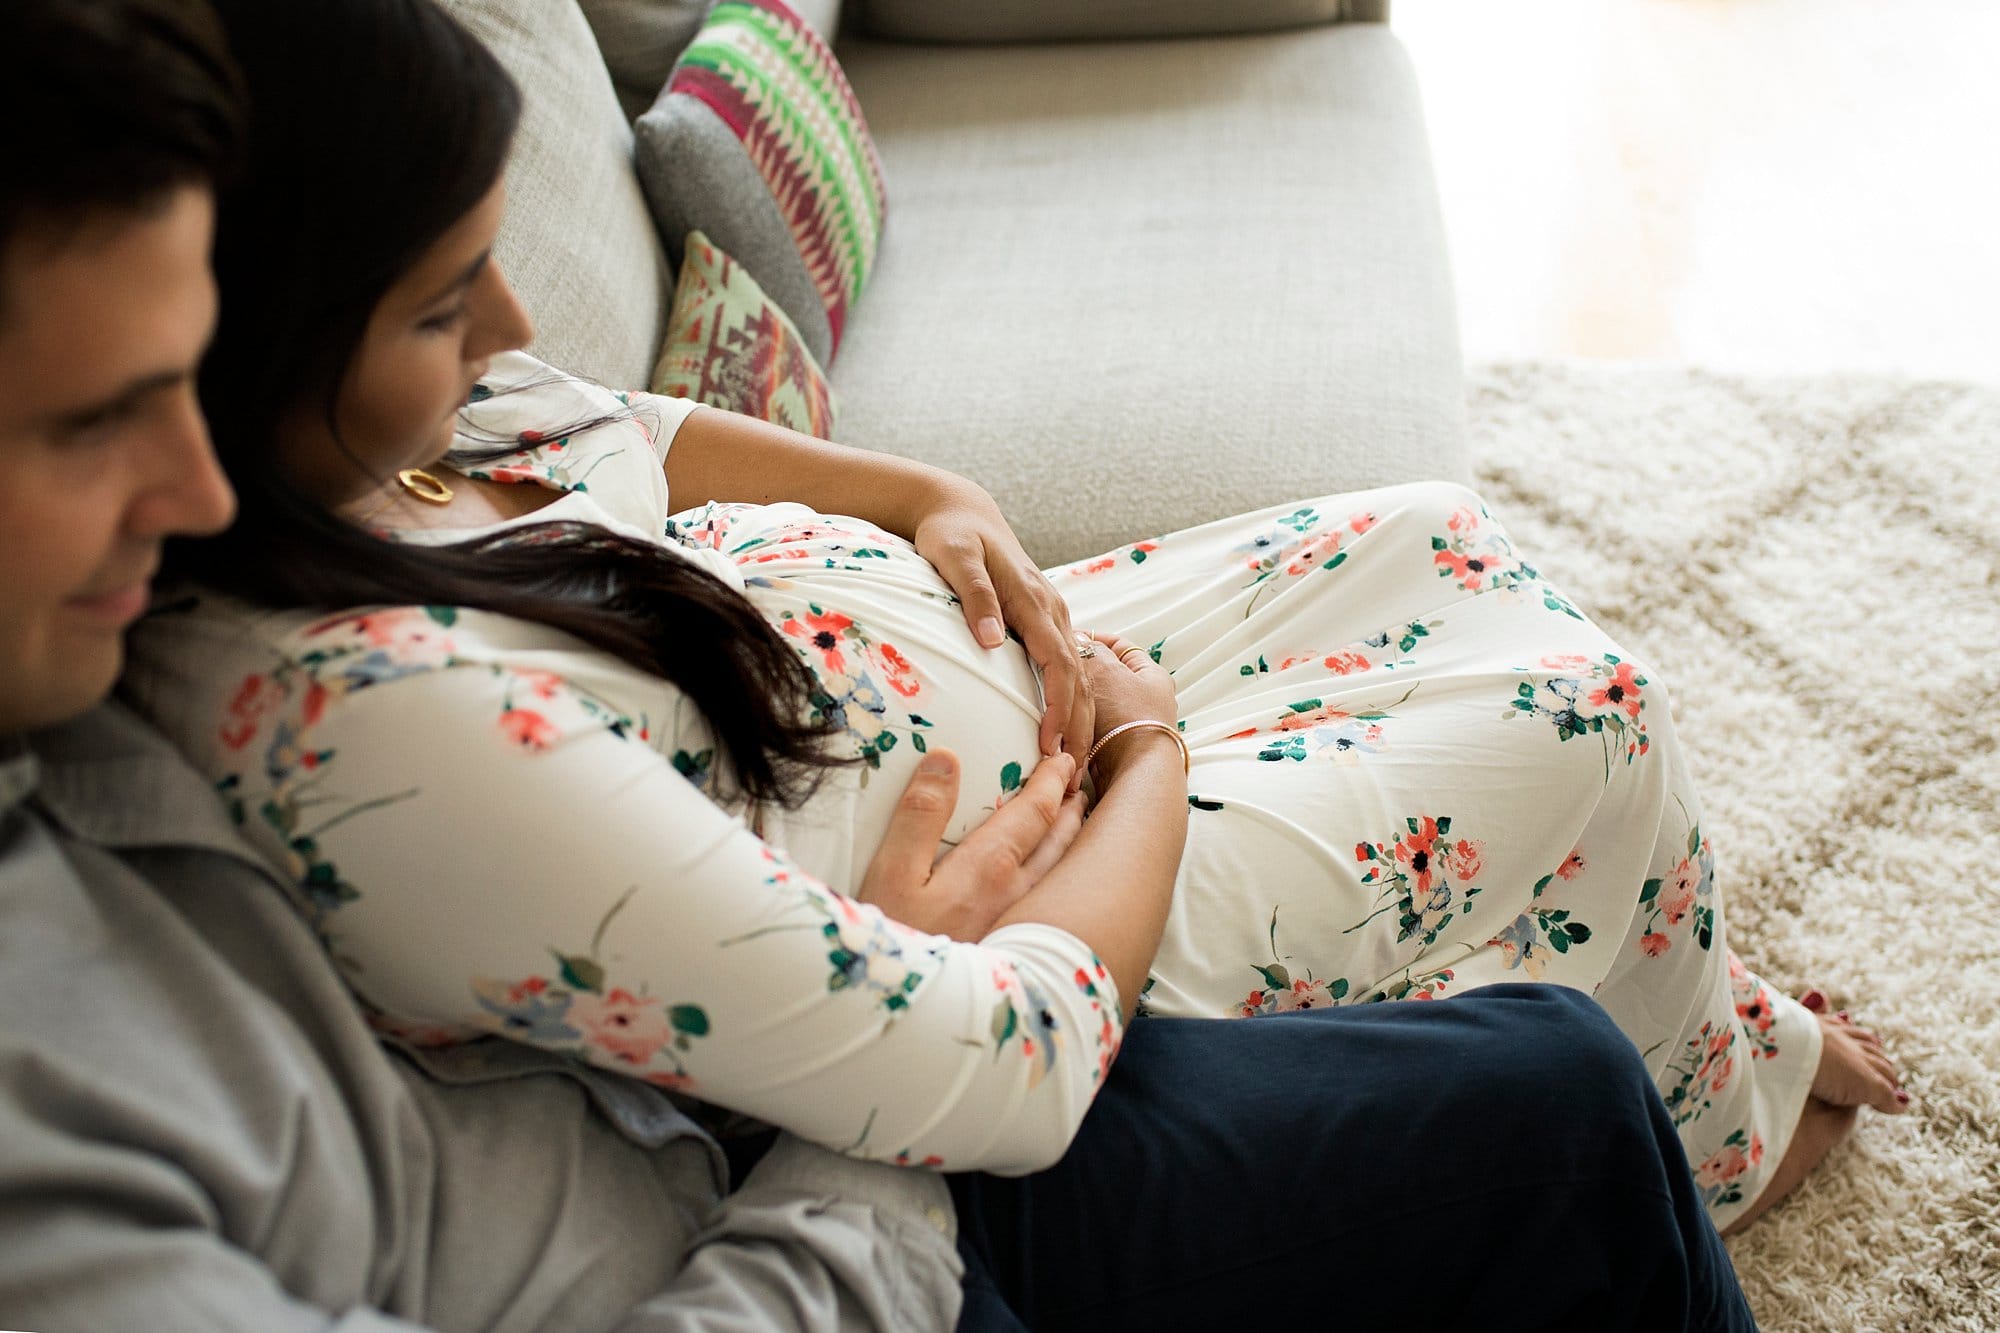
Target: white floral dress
point(1417, 769)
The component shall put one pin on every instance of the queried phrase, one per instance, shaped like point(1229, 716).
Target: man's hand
point(965, 891)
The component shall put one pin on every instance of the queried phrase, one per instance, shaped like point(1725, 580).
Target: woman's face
point(427, 343)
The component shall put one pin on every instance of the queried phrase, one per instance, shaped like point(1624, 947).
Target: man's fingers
point(1019, 826)
point(917, 824)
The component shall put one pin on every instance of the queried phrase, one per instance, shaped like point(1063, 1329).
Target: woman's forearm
point(725, 456)
point(1114, 885)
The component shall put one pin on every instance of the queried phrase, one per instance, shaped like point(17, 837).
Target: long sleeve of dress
point(488, 847)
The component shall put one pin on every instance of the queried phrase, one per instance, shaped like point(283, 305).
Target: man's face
point(103, 452)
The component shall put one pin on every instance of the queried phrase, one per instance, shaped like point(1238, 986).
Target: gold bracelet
point(1145, 724)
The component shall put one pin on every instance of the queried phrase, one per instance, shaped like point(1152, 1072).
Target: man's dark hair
point(109, 106)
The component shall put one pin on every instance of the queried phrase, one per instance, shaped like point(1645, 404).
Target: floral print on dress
point(1681, 895)
point(1479, 558)
point(1092, 982)
point(1608, 702)
point(1135, 554)
point(1282, 992)
point(1426, 877)
point(1719, 1178)
point(1706, 1064)
point(866, 952)
point(1528, 941)
point(1414, 985)
point(1405, 638)
point(285, 704)
point(1024, 1017)
point(574, 1010)
point(847, 663)
point(541, 464)
point(1756, 1010)
point(779, 548)
point(1311, 726)
point(1342, 663)
point(1293, 545)
point(345, 655)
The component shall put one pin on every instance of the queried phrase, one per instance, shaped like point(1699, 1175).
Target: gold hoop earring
point(424, 486)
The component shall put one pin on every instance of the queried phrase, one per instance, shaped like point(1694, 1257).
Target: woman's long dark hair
point(375, 125)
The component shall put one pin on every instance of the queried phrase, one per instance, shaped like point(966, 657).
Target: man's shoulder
point(111, 780)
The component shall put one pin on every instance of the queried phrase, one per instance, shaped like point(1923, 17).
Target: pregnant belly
point(898, 672)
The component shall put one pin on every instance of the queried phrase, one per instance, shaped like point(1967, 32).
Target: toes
point(1882, 1065)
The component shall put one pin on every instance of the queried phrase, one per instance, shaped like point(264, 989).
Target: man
point(199, 1131)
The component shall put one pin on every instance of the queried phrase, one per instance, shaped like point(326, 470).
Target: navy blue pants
point(1496, 1161)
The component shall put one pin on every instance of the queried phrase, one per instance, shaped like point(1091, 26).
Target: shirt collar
point(19, 772)
point(110, 779)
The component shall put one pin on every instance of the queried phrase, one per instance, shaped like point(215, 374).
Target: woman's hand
point(963, 533)
point(965, 891)
point(1127, 685)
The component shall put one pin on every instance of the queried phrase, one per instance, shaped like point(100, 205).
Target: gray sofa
point(1127, 285)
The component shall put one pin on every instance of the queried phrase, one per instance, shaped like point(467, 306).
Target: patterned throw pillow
point(757, 141)
point(730, 347)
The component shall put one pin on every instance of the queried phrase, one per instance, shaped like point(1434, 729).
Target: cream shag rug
point(1813, 565)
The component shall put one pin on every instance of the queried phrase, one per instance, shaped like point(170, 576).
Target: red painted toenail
point(1902, 1097)
point(1842, 1016)
point(1814, 1000)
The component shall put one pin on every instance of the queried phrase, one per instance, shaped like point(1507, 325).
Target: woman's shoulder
point(219, 637)
point(545, 410)
point(223, 679)
point(208, 657)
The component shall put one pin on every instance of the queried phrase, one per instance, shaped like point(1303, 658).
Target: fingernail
point(990, 633)
point(1814, 999)
point(937, 765)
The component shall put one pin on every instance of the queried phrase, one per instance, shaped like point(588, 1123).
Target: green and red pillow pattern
point(728, 345)
point(757, 142)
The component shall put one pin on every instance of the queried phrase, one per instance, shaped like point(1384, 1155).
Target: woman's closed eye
point(445, 321)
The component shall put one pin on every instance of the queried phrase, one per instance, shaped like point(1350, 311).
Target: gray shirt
point(199, 1131)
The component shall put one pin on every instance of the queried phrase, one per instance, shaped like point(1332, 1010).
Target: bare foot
point(1854, 1071)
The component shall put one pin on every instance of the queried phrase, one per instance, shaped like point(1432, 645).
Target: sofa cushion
point(642, 39)
point(1137, 286)
point(756, 126)
point(1067, 20)
point(730, 346)
point(577, 242)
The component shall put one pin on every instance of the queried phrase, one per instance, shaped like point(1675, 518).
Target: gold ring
point(1134, 649)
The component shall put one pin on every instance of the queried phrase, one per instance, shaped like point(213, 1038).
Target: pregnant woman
point(598, 743)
